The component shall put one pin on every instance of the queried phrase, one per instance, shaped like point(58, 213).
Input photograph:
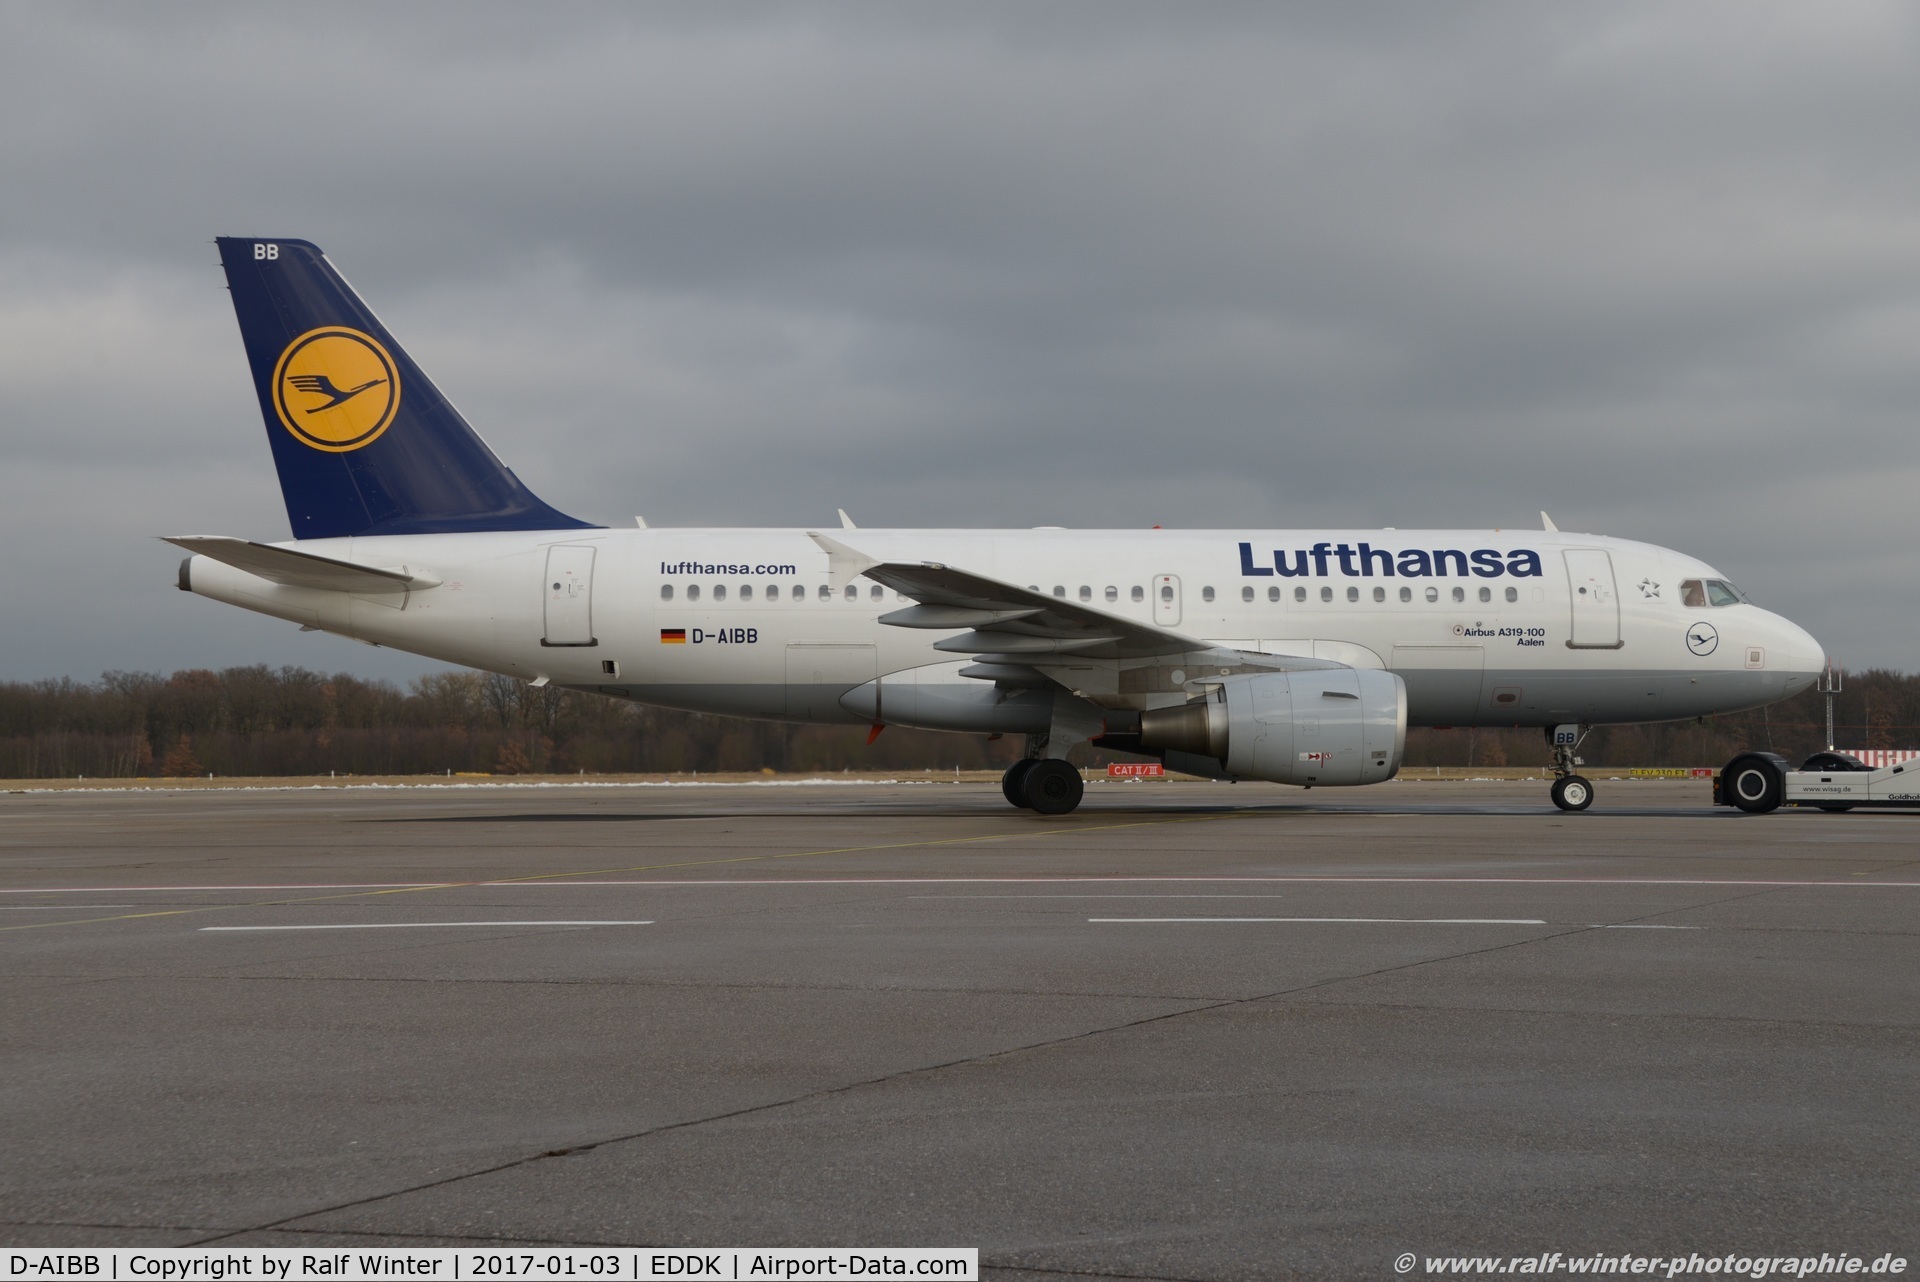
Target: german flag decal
point(673, 636)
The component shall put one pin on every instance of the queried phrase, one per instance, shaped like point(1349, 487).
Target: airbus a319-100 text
point(1296, 657)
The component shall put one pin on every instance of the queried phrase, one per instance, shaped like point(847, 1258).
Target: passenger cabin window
point(876, 593)
point(1433, 594)
point(1513, 594)
point(693, 591)
point(1113, 593)
point(799, 591)
point(1459, 594)
point(746, 591)
point(1406, 594)
point(852, 593)
point(1353, 594)
point(1246, 594)
point(826, 593)
point(1086, 593)
point(1273, 594)
point(1326, 594)
point(666, 591)
point(1206, 594)
point(1139, 593)
point(1059, 590)
point(773, 591)
point(1486, 594)
point(1166, 592)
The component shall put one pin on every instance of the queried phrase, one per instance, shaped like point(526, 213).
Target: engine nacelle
point(1340, 726)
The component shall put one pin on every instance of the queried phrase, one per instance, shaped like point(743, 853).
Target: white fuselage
point(1485, 627)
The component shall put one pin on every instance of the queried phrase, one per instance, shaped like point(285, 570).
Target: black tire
point(1832, 763)
point(1572, 792)
point(1835, 810)
point(1053, 787)
point(1014, 783)
point(1753, 784)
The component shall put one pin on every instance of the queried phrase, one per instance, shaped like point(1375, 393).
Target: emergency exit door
point(1596, 605)
point(1166, 600)
point(569, 615)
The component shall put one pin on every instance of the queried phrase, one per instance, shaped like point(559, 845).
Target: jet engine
point(1329, 727)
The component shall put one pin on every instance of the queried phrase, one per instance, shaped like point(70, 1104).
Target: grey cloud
point(1651, 267)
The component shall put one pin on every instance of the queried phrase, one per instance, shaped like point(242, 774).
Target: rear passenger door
point(569, 592)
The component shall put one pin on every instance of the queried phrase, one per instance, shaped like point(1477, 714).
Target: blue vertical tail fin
point(363, 442)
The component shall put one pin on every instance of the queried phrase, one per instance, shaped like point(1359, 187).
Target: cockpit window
point(1699, 594)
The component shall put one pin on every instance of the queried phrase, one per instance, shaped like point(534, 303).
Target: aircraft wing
point(1002, 623)
point(301, 569)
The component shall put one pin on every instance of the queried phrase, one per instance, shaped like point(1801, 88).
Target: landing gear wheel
point(1014, 782)
point(1571, 792)
point(1052, 787)
point(1753, 784)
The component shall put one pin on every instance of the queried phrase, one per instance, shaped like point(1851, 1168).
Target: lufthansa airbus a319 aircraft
point(1292, 656)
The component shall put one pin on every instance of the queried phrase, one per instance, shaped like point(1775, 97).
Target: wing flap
point(1006, 619)
point(1013, 631)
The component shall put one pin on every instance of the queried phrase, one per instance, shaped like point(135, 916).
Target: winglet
point(1546, 523)
point(844, 564)
point(846, 522)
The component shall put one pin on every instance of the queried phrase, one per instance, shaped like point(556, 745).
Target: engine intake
point(1341, 726)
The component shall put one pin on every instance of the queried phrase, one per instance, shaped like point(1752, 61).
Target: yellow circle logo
point(336, 389)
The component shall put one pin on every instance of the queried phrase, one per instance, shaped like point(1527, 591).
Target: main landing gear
point(1570, 791)
point(1046, 785)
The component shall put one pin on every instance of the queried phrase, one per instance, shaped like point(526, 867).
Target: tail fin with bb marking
point(363, 441)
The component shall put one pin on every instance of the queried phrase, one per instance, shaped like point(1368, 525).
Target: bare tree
point(501, 696)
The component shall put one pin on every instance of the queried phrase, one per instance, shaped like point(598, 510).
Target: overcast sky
point(1654, 268)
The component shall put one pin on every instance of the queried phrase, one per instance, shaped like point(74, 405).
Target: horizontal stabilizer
point(302, 569)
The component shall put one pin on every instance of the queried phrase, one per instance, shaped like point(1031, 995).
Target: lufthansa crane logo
point(1702, 639)
point(336, 389)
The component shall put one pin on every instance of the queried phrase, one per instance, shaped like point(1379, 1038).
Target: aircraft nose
point(1802, 656)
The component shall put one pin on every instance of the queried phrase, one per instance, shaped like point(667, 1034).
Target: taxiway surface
point(1192, 1031)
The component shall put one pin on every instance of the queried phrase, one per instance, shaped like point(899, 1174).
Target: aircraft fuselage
point(1489, 627)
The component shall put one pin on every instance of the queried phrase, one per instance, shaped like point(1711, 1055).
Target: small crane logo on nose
point(1702, 639)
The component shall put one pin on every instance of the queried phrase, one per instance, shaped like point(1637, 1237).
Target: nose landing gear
point(1570, 791)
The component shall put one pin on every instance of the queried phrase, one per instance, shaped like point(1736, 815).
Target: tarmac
point(1197, 1031)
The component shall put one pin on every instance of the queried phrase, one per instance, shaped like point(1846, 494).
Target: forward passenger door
point(1596, 604)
